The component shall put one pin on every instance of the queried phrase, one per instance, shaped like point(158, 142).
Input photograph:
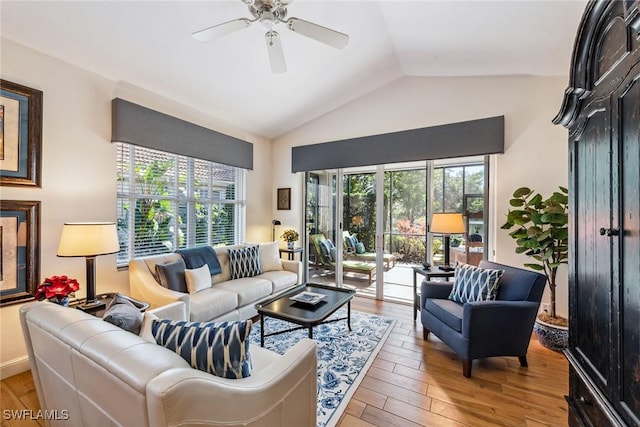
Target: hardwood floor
point(419, 383)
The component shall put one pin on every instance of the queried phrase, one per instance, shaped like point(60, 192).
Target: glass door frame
point(335, 184)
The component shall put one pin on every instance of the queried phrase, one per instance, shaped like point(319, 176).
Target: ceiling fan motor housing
point(268, 12)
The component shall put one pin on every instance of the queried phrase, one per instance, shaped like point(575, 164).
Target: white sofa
point(92, 373)
point(226, 299)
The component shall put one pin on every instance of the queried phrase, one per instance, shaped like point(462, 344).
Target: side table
point(291, 253)
point(106, 298)
point(432, 273)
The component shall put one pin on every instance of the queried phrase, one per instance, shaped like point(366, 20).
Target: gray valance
point(138, 125)
point(471, 138)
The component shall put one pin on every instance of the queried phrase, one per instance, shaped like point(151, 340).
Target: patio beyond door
point(367, 228)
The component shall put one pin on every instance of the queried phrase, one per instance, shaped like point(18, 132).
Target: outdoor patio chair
point(351, 247)
point(326, 258)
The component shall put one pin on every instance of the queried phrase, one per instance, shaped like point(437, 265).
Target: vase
point(553, 337)
point(63, 301)
point(290, 245)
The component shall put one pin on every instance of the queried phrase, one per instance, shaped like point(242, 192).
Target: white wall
point(79, 171)
point(535, 150)
point(79, 161)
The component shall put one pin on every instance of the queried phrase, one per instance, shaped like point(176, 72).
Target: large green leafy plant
point(540, 228)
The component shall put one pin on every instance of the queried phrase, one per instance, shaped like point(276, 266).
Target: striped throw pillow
point(221, 349)
point(475, 284)
point(244, 262)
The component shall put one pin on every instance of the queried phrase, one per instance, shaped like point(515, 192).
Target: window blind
point(166, 201)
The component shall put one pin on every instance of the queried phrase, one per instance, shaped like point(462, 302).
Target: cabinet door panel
point(592, 184)
point(629, 293)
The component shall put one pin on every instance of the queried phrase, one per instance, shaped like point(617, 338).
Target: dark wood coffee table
point(306, 315)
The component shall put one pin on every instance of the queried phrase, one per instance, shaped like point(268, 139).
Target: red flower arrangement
point(57, 289)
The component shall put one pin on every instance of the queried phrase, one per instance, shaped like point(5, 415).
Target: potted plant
point(290, 236)
point(540, 228)
point(57, 289)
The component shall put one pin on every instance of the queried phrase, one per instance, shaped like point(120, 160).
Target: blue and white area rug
point(344, 356)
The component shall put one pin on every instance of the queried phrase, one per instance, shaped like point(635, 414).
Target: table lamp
point(447, 224)
point(89, 240)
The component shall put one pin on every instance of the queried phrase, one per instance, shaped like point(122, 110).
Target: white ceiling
point(148, 44)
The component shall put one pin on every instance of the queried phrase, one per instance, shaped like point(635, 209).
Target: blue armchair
point(480, 329)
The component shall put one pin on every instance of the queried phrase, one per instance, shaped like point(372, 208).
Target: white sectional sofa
point(225, 299)
point(88, 372)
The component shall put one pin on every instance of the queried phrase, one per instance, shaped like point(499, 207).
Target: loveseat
point(224, 298)
point(88, 372)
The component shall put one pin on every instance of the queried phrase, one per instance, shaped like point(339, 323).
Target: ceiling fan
point(271, 13)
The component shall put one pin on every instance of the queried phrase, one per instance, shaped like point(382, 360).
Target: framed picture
point(284, 199)
point(20, 135)
point(20, 255)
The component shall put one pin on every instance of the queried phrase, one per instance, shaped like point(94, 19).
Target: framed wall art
point(20, 135)
point(20, 255)
point(284, 199)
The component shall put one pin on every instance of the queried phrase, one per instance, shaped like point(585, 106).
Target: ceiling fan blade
point(221, 29)
point(318, 32)
point(276, 55)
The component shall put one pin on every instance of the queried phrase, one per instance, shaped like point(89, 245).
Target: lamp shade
point(447, 223)
point(88, 239)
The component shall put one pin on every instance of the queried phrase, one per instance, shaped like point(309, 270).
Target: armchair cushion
point(221, 349)
point(449, 312)
point(475, 284)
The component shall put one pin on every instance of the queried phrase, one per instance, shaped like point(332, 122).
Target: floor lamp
point(447, 224)
point(89, 240)
point(273, 229)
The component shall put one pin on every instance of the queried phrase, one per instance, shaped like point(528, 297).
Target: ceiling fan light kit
point(271, 13)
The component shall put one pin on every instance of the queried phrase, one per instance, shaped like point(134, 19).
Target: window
point(460, 188)
point(167, 201)
point(451, 184)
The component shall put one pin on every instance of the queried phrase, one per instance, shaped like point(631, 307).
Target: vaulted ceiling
point(148, 44)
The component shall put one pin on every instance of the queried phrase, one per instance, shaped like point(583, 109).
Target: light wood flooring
point(419, 383)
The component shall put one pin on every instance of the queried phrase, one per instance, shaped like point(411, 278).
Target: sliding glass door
point(367, 227)
point(341, 220)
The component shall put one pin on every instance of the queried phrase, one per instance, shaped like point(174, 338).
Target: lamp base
point(91, 305)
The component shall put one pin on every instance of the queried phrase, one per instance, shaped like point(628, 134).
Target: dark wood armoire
point(601, 109)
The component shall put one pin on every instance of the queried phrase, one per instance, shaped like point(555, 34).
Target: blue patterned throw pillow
point(244, 262)
point(221, 349)
point(475, 284)
point(328, 249)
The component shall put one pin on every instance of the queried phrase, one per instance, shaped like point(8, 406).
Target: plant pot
point(553, 337)
point(63, 301)
point(290, 245)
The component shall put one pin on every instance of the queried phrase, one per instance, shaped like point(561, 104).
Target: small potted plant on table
point(541, 232)
point(290, 236)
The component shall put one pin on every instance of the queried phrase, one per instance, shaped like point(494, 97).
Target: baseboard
point(14, 367)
